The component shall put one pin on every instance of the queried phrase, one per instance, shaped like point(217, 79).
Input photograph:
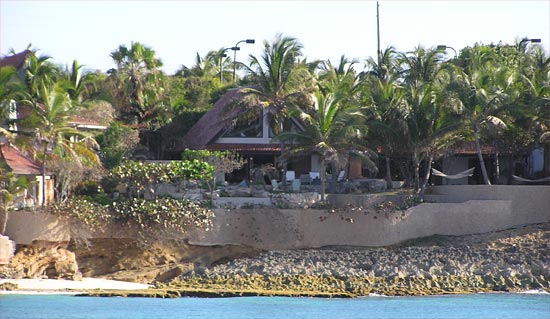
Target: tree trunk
point(426, 178)
point(334, 179)
point(416, 168)
point(486, 180)
point(389, 182)
point(497, 168)
point(283, 162)
point(4, 223)
point(404, 168)
point(44, 175)
point(322, 176)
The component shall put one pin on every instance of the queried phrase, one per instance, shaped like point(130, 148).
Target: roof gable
point(17, 162)
point(15, 60)
point(211, 125)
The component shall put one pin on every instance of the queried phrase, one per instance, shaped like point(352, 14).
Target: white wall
point(456, 210)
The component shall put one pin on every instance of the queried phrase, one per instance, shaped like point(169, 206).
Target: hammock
point(525, 180)
point(466, 173)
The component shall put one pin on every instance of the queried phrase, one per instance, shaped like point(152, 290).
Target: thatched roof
point(15, 60)
point(211, 125)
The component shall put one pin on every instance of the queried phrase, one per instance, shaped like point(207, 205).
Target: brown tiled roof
point(77, 119)
point(15, 60)
point(240, 147)
point(211, 125)
point(83, 122)
point(17, 162)
point(471, 150)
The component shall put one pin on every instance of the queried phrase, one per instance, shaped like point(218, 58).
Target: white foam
point(535, 292)
point(38, 285)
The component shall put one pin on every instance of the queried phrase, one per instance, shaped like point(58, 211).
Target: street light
point(524, 40)
point(235, 49)
point(443, 47)
point(222, 55)
point(529, 40)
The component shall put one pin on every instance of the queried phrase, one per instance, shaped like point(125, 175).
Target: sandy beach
point(41, 286)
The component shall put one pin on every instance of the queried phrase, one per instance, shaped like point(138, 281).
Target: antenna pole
point(379, 53)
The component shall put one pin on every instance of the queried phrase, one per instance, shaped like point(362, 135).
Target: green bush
point(155, 215)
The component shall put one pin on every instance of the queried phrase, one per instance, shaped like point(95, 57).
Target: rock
point(294, 200)
point(44, 259)
point(9, 286)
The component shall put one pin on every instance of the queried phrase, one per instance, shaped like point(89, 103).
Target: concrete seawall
point(452, 210)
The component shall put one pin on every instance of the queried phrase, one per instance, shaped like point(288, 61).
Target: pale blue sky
point(177, 29)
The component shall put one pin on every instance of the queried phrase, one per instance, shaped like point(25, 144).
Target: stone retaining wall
point(456, 210)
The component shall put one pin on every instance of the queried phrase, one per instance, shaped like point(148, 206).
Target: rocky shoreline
point(512, 260)
point(506, 261)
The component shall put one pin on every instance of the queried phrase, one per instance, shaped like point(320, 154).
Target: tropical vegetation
point(398, 112)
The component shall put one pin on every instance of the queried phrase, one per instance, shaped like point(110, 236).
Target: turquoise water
point(525, 306)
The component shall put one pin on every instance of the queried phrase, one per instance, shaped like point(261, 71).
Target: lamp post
point(235, 49)
point(443, 47)
point(222, 55)
point(524, 40)
point(529, 40)
point(520, 50)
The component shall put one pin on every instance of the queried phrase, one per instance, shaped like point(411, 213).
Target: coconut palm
point(428, 119)
point(280, 83)
point(56, 138)
point(11, 89)
point(76, 81)
point(10, 187)
point(39, 70)
point(332, 131)
point(483, 89)
point(386, 106)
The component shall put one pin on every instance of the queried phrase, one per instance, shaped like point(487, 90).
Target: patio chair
point(290, 176)
point(305, 179)
point(274, 184)
point(296, 185)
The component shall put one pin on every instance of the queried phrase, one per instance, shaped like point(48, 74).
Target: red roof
point(471, 150)
point(241, 147)
point(15, 60)
point(77, 119)
point(17, 162)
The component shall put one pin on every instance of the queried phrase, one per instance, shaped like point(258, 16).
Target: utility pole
point(379, 53)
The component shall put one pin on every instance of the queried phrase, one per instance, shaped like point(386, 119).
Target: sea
point(491, 305)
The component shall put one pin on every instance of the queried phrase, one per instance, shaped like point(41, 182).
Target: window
point(246, 125)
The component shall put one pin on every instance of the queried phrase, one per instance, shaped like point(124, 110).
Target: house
point(226, 129)
point(13, 160)
point(15, 60)
point(500, 166)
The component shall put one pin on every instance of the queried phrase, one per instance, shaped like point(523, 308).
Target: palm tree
point(53, 108)
point(76, 82)
point(11, 89)
point(10, 187)
point(483, 89)
point(140, 91)
point(39, 70)
point(429, 124)
point(386, 101)
point(281, 82)
point(333, 130)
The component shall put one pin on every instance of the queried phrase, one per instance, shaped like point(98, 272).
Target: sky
point(177, 30)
